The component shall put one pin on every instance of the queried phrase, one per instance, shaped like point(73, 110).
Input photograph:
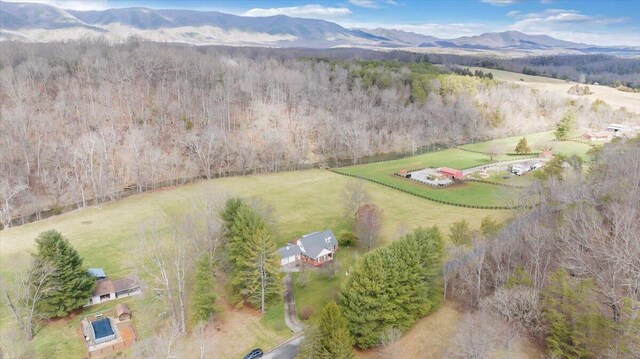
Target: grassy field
point(612, 96)
point(469, 193)
point(300, 202)
point(536, 141)
point(480, 194)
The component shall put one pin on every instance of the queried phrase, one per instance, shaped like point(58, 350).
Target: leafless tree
point(475, 337)
point(8, 194)
point(354, 196)
point(390, 347)
point(368, 225)
point(13, 345)
point(168, 263)
point(24, 293)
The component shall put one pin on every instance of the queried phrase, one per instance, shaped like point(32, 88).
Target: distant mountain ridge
point(43, 23)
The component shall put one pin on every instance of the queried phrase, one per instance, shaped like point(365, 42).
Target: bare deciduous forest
point(566, 272)
point(82, 121)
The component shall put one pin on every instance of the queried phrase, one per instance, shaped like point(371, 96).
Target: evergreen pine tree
point(489, 227)
point(335, 338)
point(311, 346)
point(523, 146)
point(73, 284)
point(575, 326)
point(255, 266)
point(260, 277)
point(460, 233)
point(393, 286)
point(565, 127)
point(204, 294)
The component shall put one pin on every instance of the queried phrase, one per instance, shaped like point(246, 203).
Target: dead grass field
point(613, 97)
point(430, 337)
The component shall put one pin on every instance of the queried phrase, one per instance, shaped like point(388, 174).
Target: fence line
point(427, 197)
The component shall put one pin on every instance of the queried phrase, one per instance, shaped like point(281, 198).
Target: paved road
point(290, 312)
point(286, 350)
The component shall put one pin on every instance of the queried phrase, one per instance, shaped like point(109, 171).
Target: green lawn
point(470, 193)
point(299, 202)
point(320, 289)
point(536, 142)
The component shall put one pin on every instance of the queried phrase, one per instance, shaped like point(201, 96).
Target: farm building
point(98, 273)
point(107, 289)
point(314, 248)
point(123, 312)
point(450, 172)
point(622, 130)
point(598, 136)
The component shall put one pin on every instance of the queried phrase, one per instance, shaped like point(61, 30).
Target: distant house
point(314, 248)
point(620, 130)
point(602, 136)
point(107, 289)
point(450, 172)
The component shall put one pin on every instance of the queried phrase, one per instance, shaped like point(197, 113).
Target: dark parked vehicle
point(255, 353)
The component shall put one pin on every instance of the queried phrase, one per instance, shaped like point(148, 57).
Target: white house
point(107, 289)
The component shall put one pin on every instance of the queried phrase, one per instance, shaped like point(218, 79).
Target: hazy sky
point(594, 22)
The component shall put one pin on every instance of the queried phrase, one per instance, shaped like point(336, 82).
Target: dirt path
point(290, 312)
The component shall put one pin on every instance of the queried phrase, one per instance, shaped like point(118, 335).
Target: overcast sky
point(593, 22)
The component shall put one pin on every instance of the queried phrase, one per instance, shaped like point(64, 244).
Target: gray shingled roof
point(289, 250)
point(314, 243)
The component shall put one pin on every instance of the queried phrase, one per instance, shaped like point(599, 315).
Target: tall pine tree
point(204, 296)
point(393, 286)
point(328, 336)
point(254, 262)
point(73, 284)
point(575, 327)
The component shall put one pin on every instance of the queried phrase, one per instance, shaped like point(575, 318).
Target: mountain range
point(31, 22)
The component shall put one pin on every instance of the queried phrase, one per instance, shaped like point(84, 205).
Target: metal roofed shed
point(102, 330)
point(97, 272)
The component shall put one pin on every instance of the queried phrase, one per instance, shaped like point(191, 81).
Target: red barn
point(450, 172)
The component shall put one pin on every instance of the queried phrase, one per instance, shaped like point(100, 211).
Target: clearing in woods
point(610, 95)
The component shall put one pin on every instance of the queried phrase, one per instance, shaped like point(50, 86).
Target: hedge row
point(427, 197)
point(468, 150)
point(493, 183)
point(523, 154)
point(507, 154)
point(400, 157)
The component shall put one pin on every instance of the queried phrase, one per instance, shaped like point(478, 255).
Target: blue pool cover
point(102, 328)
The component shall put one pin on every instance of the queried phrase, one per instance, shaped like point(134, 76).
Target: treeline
point(605, 69)
point(82, 121)
point(477, 73)
point(565, 272)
